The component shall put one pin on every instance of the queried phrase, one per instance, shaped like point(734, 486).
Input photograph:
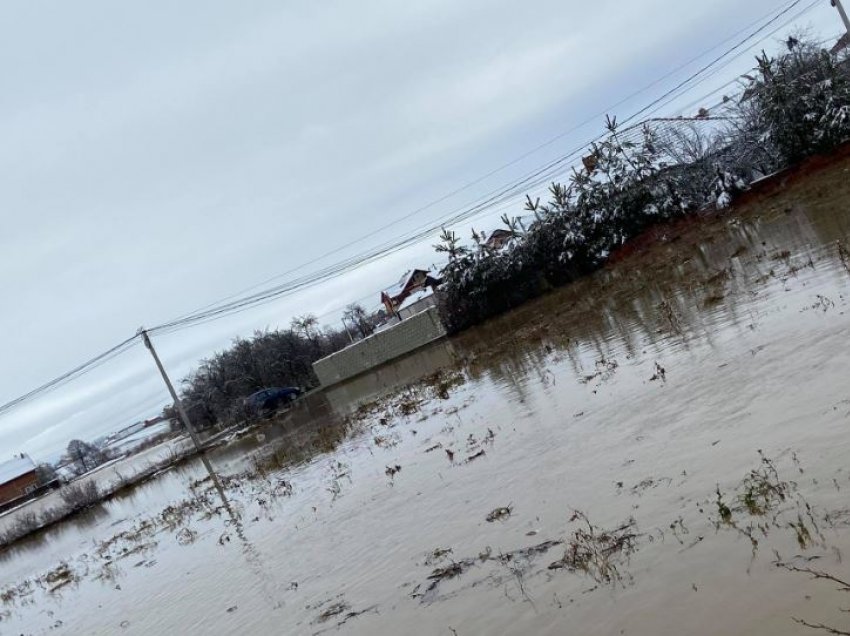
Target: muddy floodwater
point(659, 449)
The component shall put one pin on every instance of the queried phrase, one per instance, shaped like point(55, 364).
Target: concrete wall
point(346, 396)
point(380, 347)
point(420, 305)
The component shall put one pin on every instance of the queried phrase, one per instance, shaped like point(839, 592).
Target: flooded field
point(660, 449)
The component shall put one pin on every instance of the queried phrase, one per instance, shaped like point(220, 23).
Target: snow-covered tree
point(798, 104)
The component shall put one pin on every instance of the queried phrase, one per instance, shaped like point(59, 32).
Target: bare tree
point(306, 325)
point(79, 496)
point(84, 456)
point(45, 473)
point(357, 316)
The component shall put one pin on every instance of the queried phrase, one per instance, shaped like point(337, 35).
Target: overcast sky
point(158, 156)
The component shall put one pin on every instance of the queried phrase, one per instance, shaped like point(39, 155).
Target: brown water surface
point(641, 397)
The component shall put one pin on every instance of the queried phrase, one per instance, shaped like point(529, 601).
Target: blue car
point(271, 399)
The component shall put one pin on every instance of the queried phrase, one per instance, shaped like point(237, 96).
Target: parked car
point(269, 400)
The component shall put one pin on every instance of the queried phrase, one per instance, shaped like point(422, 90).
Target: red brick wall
point(17, 487)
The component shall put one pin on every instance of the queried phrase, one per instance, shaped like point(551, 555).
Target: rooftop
point(14, 468)
point(400, 286)
point(416, 297)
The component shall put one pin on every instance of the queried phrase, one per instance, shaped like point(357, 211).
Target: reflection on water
point(656, 450)
point(383, 380)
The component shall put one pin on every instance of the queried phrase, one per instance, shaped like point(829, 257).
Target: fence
point(380, 347)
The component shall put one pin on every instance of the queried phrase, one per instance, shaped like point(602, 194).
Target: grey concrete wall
point(419, 305)
point(380, 347)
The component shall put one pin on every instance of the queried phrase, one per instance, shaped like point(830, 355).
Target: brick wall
point(17, 487)
point(381, 347)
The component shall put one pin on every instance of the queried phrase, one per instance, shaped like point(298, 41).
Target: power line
point(716, 60)
point(500, 168)
point(334, 270)
point(74, 373)
point(482, 205)
point(729, 61)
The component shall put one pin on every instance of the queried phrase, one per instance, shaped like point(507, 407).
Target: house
point(415, 281)
point(500, 237)
point(17, 478)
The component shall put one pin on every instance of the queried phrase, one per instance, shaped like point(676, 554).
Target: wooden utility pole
point(347, 331)
point(184, 417)
point(837, 4)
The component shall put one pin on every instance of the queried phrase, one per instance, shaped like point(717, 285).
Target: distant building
point(498, 238)
point(413, 282)
point(18, 479)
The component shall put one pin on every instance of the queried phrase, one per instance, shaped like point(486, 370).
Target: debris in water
point(387, 441)
point(409, 405)
point(447, 572)
point(58, 577)
point(842, 586)
point(186, 536)
point(598, 553)
point(283, 488)
point(500, 514)
point(649, 483)
point(660, 374)
point(823, 303)
point(334, 609)
point(679, 529)
point(761, 502)
point(355, 614)
point(531, 551)
point(604, 370)
point(437, 555)
point(471, 458)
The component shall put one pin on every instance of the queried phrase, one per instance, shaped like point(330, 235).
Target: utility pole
point(184, 416)
point(347, 331)
point(837, 4)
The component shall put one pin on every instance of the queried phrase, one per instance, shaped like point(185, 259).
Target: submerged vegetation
point(742, 513)
point(796, 106)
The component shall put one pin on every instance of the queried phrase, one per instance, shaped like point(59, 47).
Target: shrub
point(81, 495)
point(797, 105)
